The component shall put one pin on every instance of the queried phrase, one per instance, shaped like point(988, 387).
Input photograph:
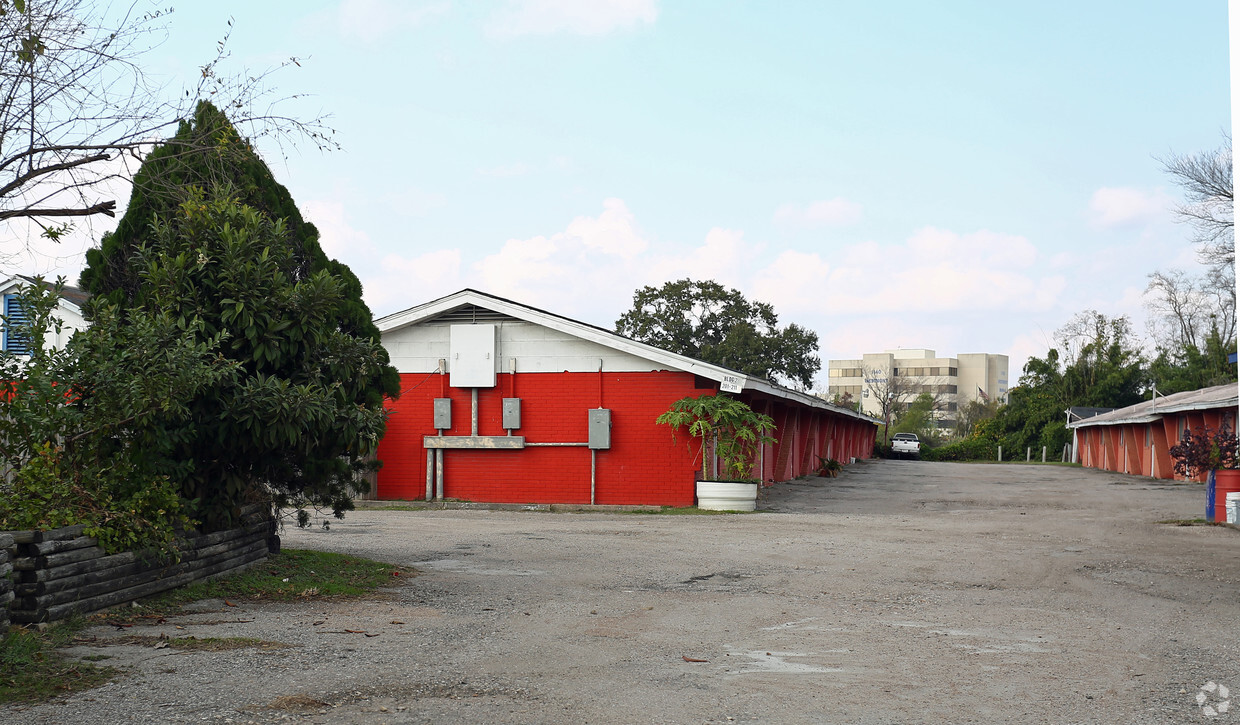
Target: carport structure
point(505, 403)
point(1137, 439)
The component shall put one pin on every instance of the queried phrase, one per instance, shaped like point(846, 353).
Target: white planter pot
point(727, 495)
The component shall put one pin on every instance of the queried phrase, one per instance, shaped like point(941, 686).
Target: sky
point(959, 176)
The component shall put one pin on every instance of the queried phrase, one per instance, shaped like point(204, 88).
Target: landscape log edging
point(8, 549)
point(50, 575)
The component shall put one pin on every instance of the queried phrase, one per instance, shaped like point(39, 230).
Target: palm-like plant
point(732, 428)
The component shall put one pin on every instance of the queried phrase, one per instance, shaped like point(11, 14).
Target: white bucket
point(1232, 507)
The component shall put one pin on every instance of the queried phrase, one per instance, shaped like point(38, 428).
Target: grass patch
point(32, 667)
point(1194, 522)
point(291, 575)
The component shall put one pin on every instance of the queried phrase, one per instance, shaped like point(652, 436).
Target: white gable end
point(536, 349)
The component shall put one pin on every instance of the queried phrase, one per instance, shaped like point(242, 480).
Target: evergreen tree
point(207, 153)
point(211, 235)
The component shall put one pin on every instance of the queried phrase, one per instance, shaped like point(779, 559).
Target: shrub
point(1204, 449)
point(82, 442)
point(969, 449)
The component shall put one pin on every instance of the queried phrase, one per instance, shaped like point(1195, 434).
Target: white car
point(906, 444)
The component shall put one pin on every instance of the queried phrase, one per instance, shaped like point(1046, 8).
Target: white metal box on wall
point(471, 356)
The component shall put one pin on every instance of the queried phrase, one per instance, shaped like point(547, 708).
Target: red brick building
point(505, 403)
point(1136, 439)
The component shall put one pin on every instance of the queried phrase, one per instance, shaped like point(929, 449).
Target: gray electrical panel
point(512, 413)
point(600, 428)
point(443, 413)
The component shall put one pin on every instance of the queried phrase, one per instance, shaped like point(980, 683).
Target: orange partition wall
point(1141, 449)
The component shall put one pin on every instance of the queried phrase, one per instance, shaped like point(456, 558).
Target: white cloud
point(1022, 348)
point(369, 21)
point(827, 212)
point(724, 256)
point(582, 270)
point(794, 283)
point(897, 293)
point(403, 282)
point(1126, 206)
point(935, 271)
point(612, 232)
point(590, 270)
point(982, 248)
point(337, 237)
point(580, 17)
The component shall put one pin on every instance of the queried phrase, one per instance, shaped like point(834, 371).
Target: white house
point(69, 311)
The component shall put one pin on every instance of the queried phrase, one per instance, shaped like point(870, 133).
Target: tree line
point(1101, 361)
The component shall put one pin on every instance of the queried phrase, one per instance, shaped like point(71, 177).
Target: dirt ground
point(900, 592)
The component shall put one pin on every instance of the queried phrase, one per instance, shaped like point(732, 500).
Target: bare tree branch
point(74, 97)
point(107, 208)
point(1205, 179)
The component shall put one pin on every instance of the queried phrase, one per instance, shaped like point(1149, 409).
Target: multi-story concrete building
point(902, 375)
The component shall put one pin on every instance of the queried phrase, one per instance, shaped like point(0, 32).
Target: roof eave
point(1157, 412)
point(813, 401)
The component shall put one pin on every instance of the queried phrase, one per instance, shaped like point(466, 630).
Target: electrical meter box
point(512, 413)
point(600, 428)
point(471, 358)
point(443, 413)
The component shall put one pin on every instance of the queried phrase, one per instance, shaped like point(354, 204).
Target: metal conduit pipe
point(593, 456)
point(430, 473)
point(473, 411)
point(431, 456)
point(438, 473)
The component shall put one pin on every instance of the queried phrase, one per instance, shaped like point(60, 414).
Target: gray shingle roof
point(1220, 396)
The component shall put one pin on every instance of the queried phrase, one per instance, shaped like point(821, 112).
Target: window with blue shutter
point(15, 314)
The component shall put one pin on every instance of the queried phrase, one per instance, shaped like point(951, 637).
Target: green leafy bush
point(969, 449)
point(88, 426)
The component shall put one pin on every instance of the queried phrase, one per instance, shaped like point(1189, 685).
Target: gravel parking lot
point(902, 591)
